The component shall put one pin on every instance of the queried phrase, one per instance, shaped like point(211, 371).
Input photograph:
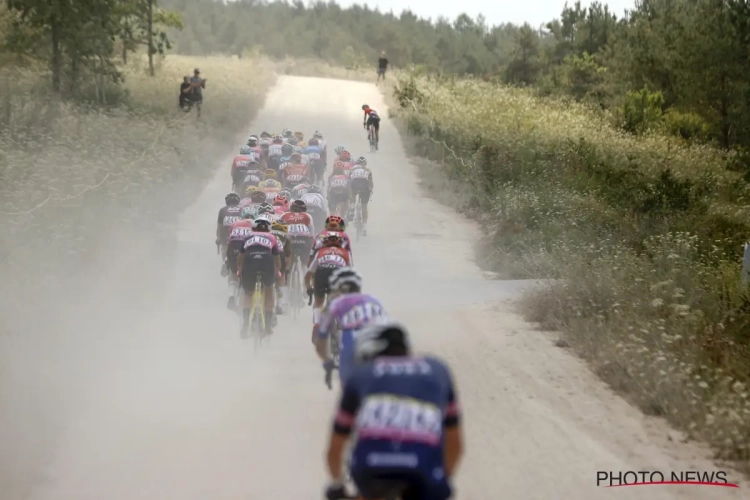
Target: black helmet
point(298, 206)
point(313, 142)
point(258, 196)
point(287, 149)
point(232, 199)
point(364, 107)
point(381, 338)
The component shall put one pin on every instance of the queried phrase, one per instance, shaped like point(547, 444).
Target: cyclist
point(301, 230)
point(301, 189)
point(228, 215)
point(238, 235)
point(314, 154)
point(279, 229)
point(333, 224)
point(362, 185)
point(322, 145)
point(259, 257)
point(294, 171)
point(372, 119)
point(346, 167)
point(351, 310)
point(253, 175)
point(239, 167)
point(339, 191)
point(287, 134)
point(255, 150)
point(266, 208)
point(280, 205)
point(329, 258)
point(275, 152)
point(422, 445)
point(271, 188)
point(344, 156)
point(300, 137)
point(315, 205)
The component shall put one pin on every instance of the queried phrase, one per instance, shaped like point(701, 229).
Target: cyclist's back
point(397, 448)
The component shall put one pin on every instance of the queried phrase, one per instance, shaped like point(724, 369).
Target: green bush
point(642, 111)
point(689, 126)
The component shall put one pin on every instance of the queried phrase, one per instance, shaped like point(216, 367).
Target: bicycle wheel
point(257, 313)
point(296, 289)
point(358, 216)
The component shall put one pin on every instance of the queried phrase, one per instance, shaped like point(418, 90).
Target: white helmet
point(339, 149)
point(346, 278)
point(375, 339)
point(263, 219)
point(245, 150)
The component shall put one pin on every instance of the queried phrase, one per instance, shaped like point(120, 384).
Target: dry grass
point(75, 180)
point(646, 233)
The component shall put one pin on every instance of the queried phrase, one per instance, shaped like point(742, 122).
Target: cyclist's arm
point(454, 441)
point(240, 258)
point(219, 222)
point(342, 428)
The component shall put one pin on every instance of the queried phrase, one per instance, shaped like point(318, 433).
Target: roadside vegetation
point(646, 233)
point(96, 159)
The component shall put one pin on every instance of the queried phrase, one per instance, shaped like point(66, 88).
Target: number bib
point(240, 233)
point(339, 183)
point(332, 260)
point(314, 156)
point(299, 230)
point(260, 240)
point(359, 173)
point(399, 419)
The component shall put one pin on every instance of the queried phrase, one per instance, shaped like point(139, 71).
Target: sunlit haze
point(535, 12)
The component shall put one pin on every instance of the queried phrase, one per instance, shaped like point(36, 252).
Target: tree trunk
point(124, 52)
point(150, 36)
point(56, 61)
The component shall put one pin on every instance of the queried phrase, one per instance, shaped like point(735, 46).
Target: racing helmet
point(277, 139)
point(345, 280)
point(249, 212)
point(265, 135)
point(299, 135)
point(345, 156)
point(252, 141)
point(263, 221)
point(250, 190)
point(280, 200)
point(317, 135)
point(270, 183)
point(265, 208)
point(232, 199)
point(286, 133)
point(298, 206)
point(312, 142)
point(269, 174)
point(339, 149)
point(245, 150)
point(314, 188)
point(336, 219)
point(278, 226)
point(287, 149)
point(361, 161)
point(365, 106)
point(258, 196)
point(379, 338)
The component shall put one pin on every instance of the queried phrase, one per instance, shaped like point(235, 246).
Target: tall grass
point(78, 182)
point(646, 233)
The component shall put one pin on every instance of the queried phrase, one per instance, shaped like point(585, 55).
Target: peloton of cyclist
point(238, 235)
point(349, 309)
point(421, 451)
point(275, 152)
point(260, 257)
point(362, 185)
point(326, 260)
point(372, 119)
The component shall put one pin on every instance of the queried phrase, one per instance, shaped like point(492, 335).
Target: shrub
point(642, 111)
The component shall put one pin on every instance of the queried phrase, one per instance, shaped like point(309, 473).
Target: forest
point(677, 65)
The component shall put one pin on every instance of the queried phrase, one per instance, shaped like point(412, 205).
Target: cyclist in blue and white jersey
point(351, 310)
point(404, 411)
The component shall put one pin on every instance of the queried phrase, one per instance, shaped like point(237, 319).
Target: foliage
point(645, 231)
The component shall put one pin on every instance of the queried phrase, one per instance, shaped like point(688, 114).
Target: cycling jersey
point(399, 408)
point(338, 183)
point(314, 153)
point(314, 200)
point(275, 150)
point(240, 230)
point(246, 202)
point(293, 174)
point(327, 260)
point(271, 193)
point(227, 217)
point(352, 312)
point(347, 244)
point(256, 153)
point(299, 225)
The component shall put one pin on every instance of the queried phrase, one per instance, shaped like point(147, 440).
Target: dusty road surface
point(177, 406)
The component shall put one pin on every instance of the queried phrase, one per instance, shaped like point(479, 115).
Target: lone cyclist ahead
point(372, 119)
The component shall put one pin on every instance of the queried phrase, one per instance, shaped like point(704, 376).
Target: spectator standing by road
point(196, 94)
point(185, 88)
point(382, 66)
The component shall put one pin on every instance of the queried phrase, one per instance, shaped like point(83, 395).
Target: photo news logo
point(613, 479)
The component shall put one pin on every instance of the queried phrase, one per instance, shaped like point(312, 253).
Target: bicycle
point(372, 138)
point(296, 299)
point(358, 221)
point(257, 320)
